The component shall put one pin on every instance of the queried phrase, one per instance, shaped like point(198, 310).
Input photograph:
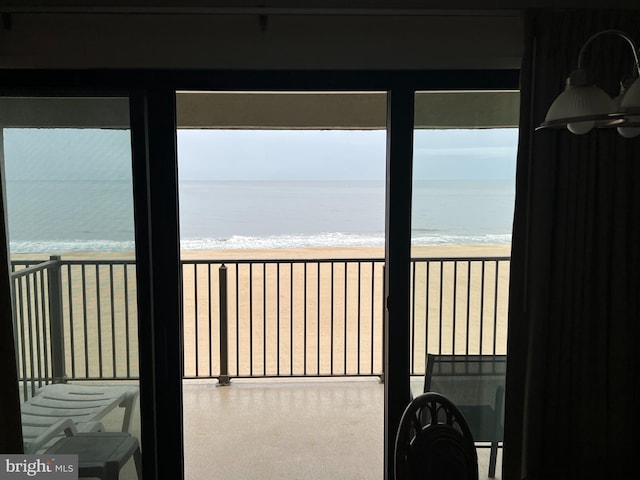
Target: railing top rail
point(461, 259)
point(32, 269)
point(27, 262)
point(79, 261)
point(281, 260)
point(98, 261)
point(340, 260)
point(215, 261)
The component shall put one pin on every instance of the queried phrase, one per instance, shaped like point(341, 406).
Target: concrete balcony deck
point(312, 429)
point(288, 430)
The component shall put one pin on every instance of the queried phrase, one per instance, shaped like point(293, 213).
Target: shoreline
point(337, 252)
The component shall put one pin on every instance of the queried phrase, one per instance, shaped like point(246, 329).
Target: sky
point(285, 155)
point(303, 155)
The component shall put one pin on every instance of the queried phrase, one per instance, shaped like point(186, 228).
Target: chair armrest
point(66, 427)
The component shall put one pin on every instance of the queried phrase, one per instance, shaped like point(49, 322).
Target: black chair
point(434, 442)
point(475, 383)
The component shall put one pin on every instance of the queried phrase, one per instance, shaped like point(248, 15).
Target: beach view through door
point(282, 245)
point(67, 168)
point(463, 196)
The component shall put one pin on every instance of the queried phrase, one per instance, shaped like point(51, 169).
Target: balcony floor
point(287, 430)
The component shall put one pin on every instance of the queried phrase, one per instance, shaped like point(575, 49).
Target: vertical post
point(384, 324)
point(158, 280)
point(55, 320)
point(397, 387)
point(223, 379)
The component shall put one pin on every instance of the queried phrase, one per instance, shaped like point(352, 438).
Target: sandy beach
point(323, 318)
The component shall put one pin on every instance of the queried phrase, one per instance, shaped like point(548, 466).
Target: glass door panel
point(69, 201)
point(282, 235)
point(465, 146)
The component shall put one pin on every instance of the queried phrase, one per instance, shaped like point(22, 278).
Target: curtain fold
point(572, 378)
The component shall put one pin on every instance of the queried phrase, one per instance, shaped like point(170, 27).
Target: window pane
point(282, 216)
point(465, 146)
point(67, 167)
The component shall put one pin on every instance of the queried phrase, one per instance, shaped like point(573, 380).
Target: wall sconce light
point(584, 106)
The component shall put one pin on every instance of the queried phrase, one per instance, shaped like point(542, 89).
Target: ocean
point(57, 216)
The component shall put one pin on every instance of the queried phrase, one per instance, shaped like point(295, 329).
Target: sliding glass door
point(282, 247)
point(463, 194)
point(91, 312)
point(67, 170)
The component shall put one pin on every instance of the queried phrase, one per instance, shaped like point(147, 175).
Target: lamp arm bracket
point(620, 33)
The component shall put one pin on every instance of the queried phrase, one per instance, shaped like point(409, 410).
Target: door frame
point(153, 129)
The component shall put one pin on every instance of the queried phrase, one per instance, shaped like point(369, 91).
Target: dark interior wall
point(272, 34)
point(281, 41)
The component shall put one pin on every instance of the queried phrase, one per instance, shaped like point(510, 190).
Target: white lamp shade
point(631, 100)
point(629, 104)
point(578, 104)
point(583, 106)
point(629, 132)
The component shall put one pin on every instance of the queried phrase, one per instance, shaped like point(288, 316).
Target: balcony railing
point(77, 319)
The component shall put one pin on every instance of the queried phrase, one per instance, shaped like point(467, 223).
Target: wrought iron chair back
point(434, 442)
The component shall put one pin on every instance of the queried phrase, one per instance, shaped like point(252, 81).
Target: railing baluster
point(45, 323)
point(126, 318)
point(318, 321)
point(373, 315)
point(56, 320)
point(210, 320)
point(441, 295)
point(291, 319)
point(23, 347)
point(196, 319)
point(482, 307)
point(359, 314)
point(264, 318)
point(346, 318)
point(495, 308)
point(251, 319)
point(224, 378)
point(237, 268)
point(30, 335)
point(84, 318)
point(113, 322)
point(454, 306)
point(71, 322)
point(37, 300)
point(381, 306)
point(468, 335)
point(426, 306)
point(30, 321)
point(332, 319)
point(412, 331)
point(304, 317)
point(278, 320)
point(17, 320)
point(99, 320)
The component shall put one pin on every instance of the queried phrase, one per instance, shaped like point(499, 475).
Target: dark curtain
point(573, 378)
point(10, 424)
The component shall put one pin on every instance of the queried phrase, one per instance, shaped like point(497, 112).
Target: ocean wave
point(461, 239)
point(239, 242)
point(336, 239)
point(70, 246)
